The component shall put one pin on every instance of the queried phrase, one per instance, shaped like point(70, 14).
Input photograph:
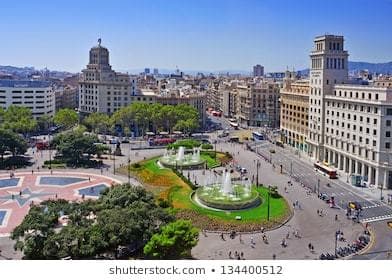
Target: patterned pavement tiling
point(18, 194)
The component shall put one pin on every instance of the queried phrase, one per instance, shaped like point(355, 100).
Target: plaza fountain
point(181, 159)
point(227, 195)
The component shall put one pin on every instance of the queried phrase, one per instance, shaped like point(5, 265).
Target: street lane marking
point(376, 219)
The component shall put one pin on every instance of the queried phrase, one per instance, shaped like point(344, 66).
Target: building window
point(388, 123)
point(387, 134)
point(374, 143)
point(387, 145)
point(389, 111)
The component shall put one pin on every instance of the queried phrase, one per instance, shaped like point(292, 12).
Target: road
point(382, 247)
point(373, 210)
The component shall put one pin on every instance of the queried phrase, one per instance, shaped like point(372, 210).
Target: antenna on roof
point(99, 41)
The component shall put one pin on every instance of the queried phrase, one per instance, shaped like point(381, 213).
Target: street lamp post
point(268, 202)
point(318, 186)
point(50, 150)
point(129, 162)
point(291, 168)
point(257, 174)
point(336, 242)
point(114, 161)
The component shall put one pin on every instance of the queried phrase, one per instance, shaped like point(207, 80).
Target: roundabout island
point(226, 195)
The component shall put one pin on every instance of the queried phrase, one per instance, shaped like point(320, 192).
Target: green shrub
point(136, 165)
point(206, 146)
point(163, 203)
point(54, 161)
point(187, 143)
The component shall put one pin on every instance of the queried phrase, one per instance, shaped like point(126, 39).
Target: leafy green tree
point(98, 122)
point(12, 142)
point(173, 242)
point(44, 122)
point(18, 119)
point(123, 216)
point(73, 145)
point(66, 118)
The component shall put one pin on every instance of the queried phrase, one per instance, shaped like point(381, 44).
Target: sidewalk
point(343, 177)
point(319, 231)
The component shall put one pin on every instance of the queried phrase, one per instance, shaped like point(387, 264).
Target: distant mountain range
point(26, 71)
point(188, 72)
point(356, 66)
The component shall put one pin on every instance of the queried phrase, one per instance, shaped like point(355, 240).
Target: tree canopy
point(66, 118)
point(124, 215)
point(175, 241)
point(98, 122)
point(18, 119)
point(157, 117)
point(12, 142)
point(72, 146)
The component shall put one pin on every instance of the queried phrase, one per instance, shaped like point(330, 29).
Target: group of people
point(320, 212)
point(236, 255)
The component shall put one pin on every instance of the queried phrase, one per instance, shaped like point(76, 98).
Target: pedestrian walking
point(318, 212)
point(288, 235)
point(336, 217)
point(273, 256)
point(310, 246)
point(230, 254)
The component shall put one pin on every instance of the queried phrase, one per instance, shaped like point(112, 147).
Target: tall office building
point(258, 70)
point(38, 96)
point(350, 125)
point(101, 89)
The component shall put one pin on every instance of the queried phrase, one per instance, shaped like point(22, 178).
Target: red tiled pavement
point(17, 212)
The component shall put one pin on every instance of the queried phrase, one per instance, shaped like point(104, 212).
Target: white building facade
point(38, 96)
point(100, 88)
point(349, 124)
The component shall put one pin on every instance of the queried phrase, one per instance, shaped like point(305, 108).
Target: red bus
point(330, 172)
point(160, 141)
point(42, 145)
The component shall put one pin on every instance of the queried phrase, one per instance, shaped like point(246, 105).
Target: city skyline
point(208, 36)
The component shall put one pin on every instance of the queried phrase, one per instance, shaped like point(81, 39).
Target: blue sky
point(195, 35)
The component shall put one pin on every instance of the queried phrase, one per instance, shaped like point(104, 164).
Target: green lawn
point(165, 184)
point(278, 207)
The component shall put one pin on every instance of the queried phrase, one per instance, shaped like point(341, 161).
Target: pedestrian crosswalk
point(376, 219)
point(371, 206)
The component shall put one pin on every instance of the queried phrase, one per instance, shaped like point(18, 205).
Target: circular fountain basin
point(187, 162)
point(212, 197)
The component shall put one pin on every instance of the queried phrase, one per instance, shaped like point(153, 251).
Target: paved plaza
point(313, 228)
point(17, 194)
point(24, 188)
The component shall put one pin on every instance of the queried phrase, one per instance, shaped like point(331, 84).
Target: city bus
point(330, 172)
point(257, 136)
